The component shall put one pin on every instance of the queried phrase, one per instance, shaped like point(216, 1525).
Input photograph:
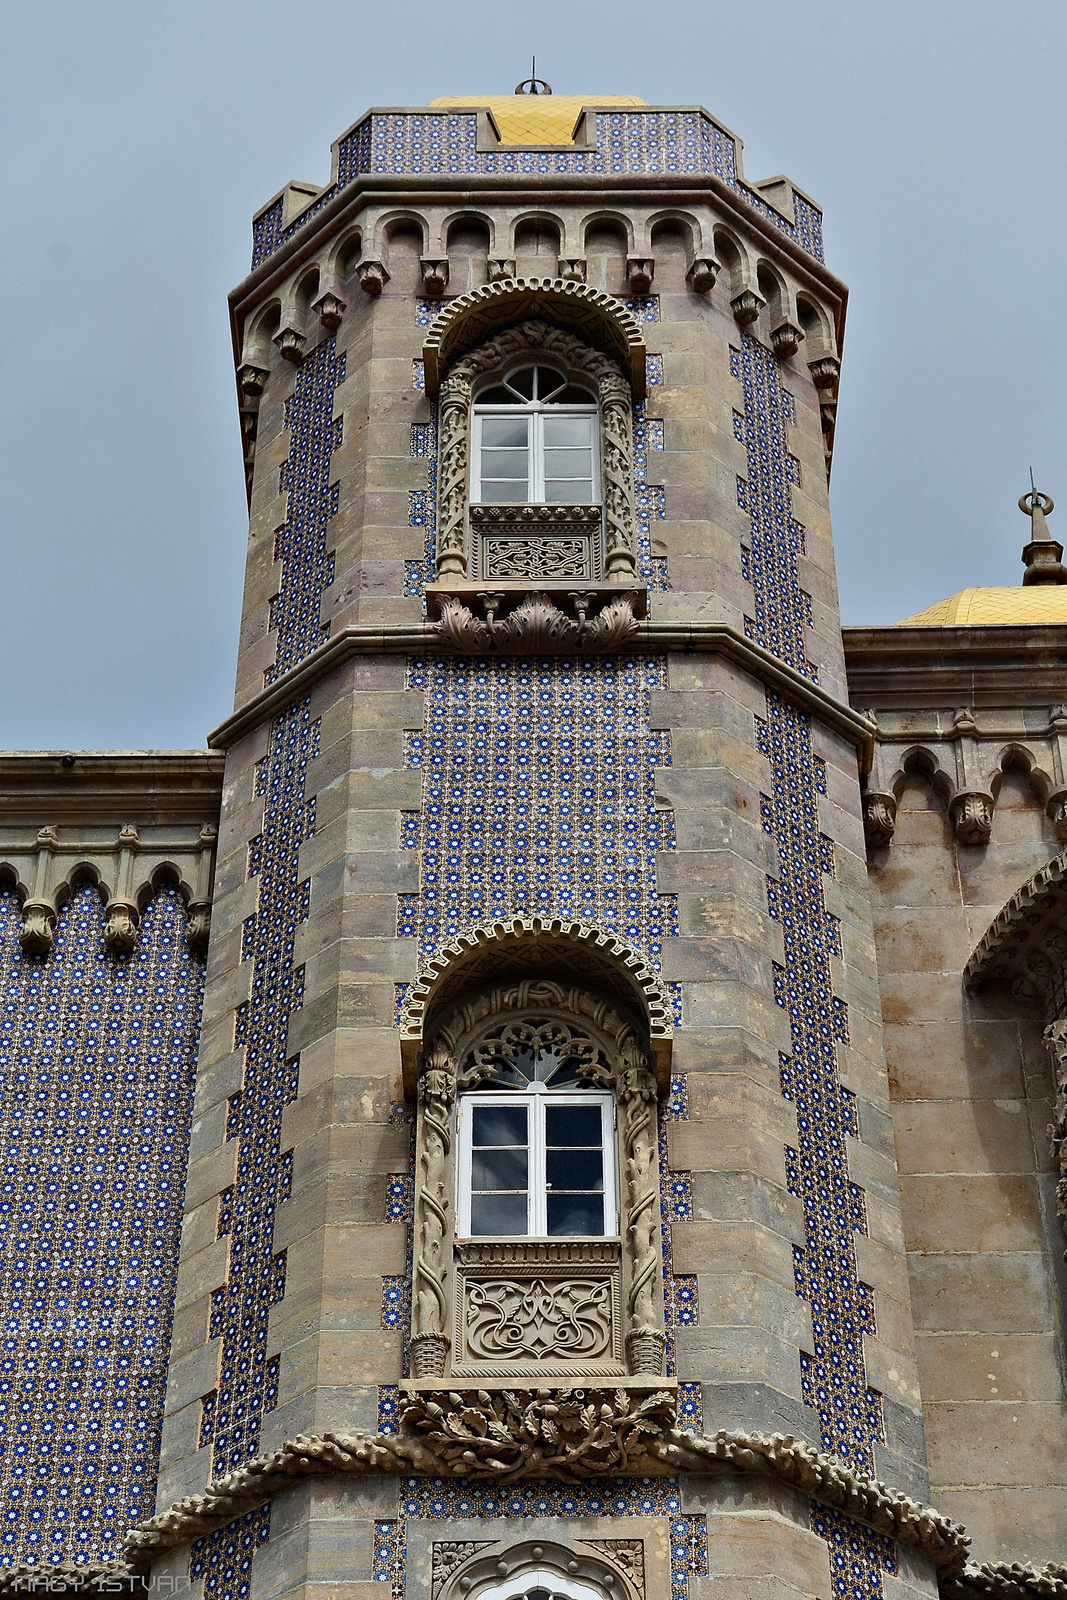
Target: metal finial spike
point(533, 84)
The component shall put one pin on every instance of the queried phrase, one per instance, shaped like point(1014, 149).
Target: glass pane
point(504, 431)
point(505, 491)
point(496, 1125)
point(558, 463)
point(497, 397)
point(522, 382)
point(570, 1125)
point(567, 431)
point(571, 1169)
point(510, 463)
point(573, 396)
point(549, 383)
point(575, 1216)
point(568, 491)
point(498, 1213)
point(506, 1169)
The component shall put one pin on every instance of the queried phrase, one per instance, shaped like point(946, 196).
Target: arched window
point(536, 1139)
point(536, 441)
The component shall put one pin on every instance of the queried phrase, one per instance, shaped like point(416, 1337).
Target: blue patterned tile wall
point(833, 1377)
point(539, 797)
point(443, 1498)
point(442, 142)
point(97, 1064)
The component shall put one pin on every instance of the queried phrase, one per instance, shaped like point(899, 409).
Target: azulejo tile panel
point(833, 1378)
point(539, 796)
point(97, 1064)
point(445, 142)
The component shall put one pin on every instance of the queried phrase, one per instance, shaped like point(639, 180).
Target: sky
point(138, 138)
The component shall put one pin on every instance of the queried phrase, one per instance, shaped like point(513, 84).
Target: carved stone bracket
point(571, 269)
point(640, 270)
point(501, 268)
point(879, 818)
point(434, 275)
point(746, 307)
point(537, 625)
point(372, 276)
point(330, 308)
point(703, 273)
point(972, 817)
point(291, 339)
point(785, 340)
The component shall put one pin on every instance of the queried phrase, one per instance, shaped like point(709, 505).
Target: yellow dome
point(976, 608)
point(532, 119)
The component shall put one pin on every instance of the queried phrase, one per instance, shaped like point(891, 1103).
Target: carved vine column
point(430, 1309)
point(453, 431)
point(637, 1113)
point(617, 465)
point(1056, 1045)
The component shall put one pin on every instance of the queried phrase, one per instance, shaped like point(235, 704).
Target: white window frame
point(535, 412)
point(536, 1193)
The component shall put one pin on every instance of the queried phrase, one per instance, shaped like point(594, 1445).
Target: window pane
point(575, 1216)
point(522, 382)
point(505, 463)
point(564, 431)
point(568, 491)
point(498, 1125)
point(570, 1125)
point(573, 396)
point(574, 1169)
point(497, 397)
point(498, 1213)
point(572, 463)
point(505, 1169)
point(506, 432)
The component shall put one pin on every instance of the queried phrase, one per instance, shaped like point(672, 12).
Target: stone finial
point(1042, 555)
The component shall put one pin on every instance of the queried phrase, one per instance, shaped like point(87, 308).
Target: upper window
point(535, 440)
point(536, 1149)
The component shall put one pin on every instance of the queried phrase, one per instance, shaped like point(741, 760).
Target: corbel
point(785, 340)
point(571, 269)
point(1056, 805)
point(372, 276)
point(123, 917)
point(291, 337)
point(879, 801)
point(500, 267)
point(972, 805)
point(252, 380)
point(746, 307)
point(331, 305)
point(434, 275)
point(640, 270)
point(703, 273)
point(39, 912)
point(198, 921)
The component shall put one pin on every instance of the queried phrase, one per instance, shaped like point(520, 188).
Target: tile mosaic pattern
point(224, 1558)
point(539, 796)
point(423, 508)
point(858, 1556)
point(650, 500)
point(440, 1498)
point(637, 141)
point(833, 1377)
point(680, 1304)
point(301, 544)
point(97, 1064)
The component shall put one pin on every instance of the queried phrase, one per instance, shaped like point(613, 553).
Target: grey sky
point(139, 138)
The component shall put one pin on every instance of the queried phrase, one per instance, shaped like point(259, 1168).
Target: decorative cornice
point(156, 786)
point(663, 1452)
point(932, 667)
point(711, 638)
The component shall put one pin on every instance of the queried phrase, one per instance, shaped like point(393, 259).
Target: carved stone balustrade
point(536, 542)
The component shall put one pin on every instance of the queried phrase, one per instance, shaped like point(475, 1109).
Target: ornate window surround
point(533, 339)
point(607, 1293)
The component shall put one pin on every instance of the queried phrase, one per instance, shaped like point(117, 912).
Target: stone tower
point(542, 1229)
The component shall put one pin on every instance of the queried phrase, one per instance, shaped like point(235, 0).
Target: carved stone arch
point(343, 253)
point(392, 222)
point(615, 1027)
point(11, 878)
point(536, 218)
point(1021, 756)
point(549, 948)
point(600, 320)
point(164, 874)
point(924, 760)
point(572, 1571)
point(619, 221)
point(257, 349)
point(683, 222)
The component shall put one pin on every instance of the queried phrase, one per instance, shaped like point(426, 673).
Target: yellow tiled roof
point(529, 119)
point(975, 608)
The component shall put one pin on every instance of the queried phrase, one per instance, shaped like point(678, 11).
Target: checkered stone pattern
point(418, 142)
point(539, 797)
point(833, 1377)
point(444, 1498)
point(858, 1556)
point(97, 1057)
point(301, 544)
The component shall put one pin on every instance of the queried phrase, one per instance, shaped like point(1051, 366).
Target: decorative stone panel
point(537, 1306)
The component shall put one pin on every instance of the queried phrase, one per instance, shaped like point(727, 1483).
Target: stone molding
point(597, 318)
point(1018, 931)
point(665, 1451)
point(707, 638)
